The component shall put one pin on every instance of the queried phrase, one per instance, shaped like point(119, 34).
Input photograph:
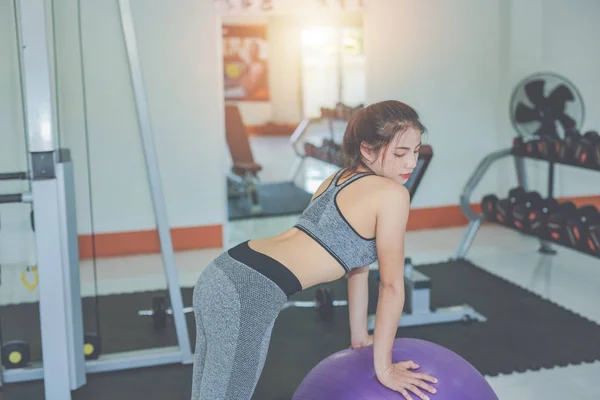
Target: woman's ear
point(367, 152)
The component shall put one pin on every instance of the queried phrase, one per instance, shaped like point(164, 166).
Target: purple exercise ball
point(350, 374)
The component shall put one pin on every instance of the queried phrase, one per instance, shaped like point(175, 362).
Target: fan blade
point(535, 92)
point(559, 97)
point(548, 128)
point(566, 121)
point(526, 114)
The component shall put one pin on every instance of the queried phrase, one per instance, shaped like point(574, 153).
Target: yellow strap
point(28, 285)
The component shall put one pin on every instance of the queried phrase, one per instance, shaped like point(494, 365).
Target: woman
point(356, 217)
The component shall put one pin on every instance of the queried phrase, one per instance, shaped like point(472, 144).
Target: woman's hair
point(376, 126)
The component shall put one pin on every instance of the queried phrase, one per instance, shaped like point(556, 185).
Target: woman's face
point(400, 156)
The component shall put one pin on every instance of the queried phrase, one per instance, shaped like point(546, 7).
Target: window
point(333, 68)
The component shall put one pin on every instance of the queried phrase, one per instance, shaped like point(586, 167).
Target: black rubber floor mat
point(523, 332)
point(276, 199)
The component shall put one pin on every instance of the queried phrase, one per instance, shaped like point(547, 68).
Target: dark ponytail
point(375, 126)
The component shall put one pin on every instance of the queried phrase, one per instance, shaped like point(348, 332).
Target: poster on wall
point(245, 62)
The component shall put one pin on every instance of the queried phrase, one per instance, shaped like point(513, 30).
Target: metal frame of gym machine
point(475, 220)
point(53, 200)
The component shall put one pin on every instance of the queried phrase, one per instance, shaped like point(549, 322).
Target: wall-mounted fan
point(546, 104)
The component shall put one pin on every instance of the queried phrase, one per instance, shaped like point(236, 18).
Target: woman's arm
point(358, 301)
point(390, 232)
point(391, 228)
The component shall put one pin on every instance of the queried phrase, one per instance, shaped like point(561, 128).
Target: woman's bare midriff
point(302, 255)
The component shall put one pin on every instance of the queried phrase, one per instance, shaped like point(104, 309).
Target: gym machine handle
point(11, 198)
point(474, 180)
point(16, 198)
point(13, 176)
point(298, 134)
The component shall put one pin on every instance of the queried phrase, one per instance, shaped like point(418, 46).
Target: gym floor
point(569, 279)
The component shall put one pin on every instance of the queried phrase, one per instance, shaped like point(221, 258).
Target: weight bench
point(247, 197)
point(242, 180)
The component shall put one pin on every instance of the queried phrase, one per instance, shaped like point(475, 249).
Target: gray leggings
point(235, 308)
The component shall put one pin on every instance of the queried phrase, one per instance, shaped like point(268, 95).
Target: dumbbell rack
point(326, 149)
point(518, 150)
point(519, 156)
point(551, 165)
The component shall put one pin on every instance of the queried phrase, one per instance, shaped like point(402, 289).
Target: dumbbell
point(593, 240)
point(530, 147)
point(586, 149)
point(597, 155)
point(324, 303)
point(488, 207)
point(518, 147)
point(504, 207)
point(160, 311)
point(321, 152)
point(15, 354)
point(91, 346)
point(548, 148)
point(565, 149)
point(521, 212)
point(579, 223)
point(538, 217)
point(557, 222)
point(309, 149)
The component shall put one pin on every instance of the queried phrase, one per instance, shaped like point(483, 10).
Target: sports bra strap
point(351, 179)
point(338, 175)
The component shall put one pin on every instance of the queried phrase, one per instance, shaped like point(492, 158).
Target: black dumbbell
point(585, 149)
point(504, 207)
point(538, 217)
point(92, 346)
point(159, 312)
point(593, 241)
point(16, 354)
point(488, 207)
point(324, 303)
point(530, 147)
point(548, 148)
point(578, 225)
point(521, 212)
point(565, 149)
point(597, 155)
point(557, 222)
point(518, 147)
point(309, 149)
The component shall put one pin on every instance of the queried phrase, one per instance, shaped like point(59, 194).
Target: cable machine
point(52, 197)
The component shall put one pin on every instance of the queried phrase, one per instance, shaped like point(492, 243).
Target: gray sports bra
point(323, 221)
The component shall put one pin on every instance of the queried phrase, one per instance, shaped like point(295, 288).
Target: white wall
point(180, 56)
point(457, 64)
point(446, 64)
point(570, 47)
point(284, 68)
point(178, 49)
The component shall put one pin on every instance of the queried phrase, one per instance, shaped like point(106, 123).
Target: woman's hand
point(400, 378)
point(364, 342)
